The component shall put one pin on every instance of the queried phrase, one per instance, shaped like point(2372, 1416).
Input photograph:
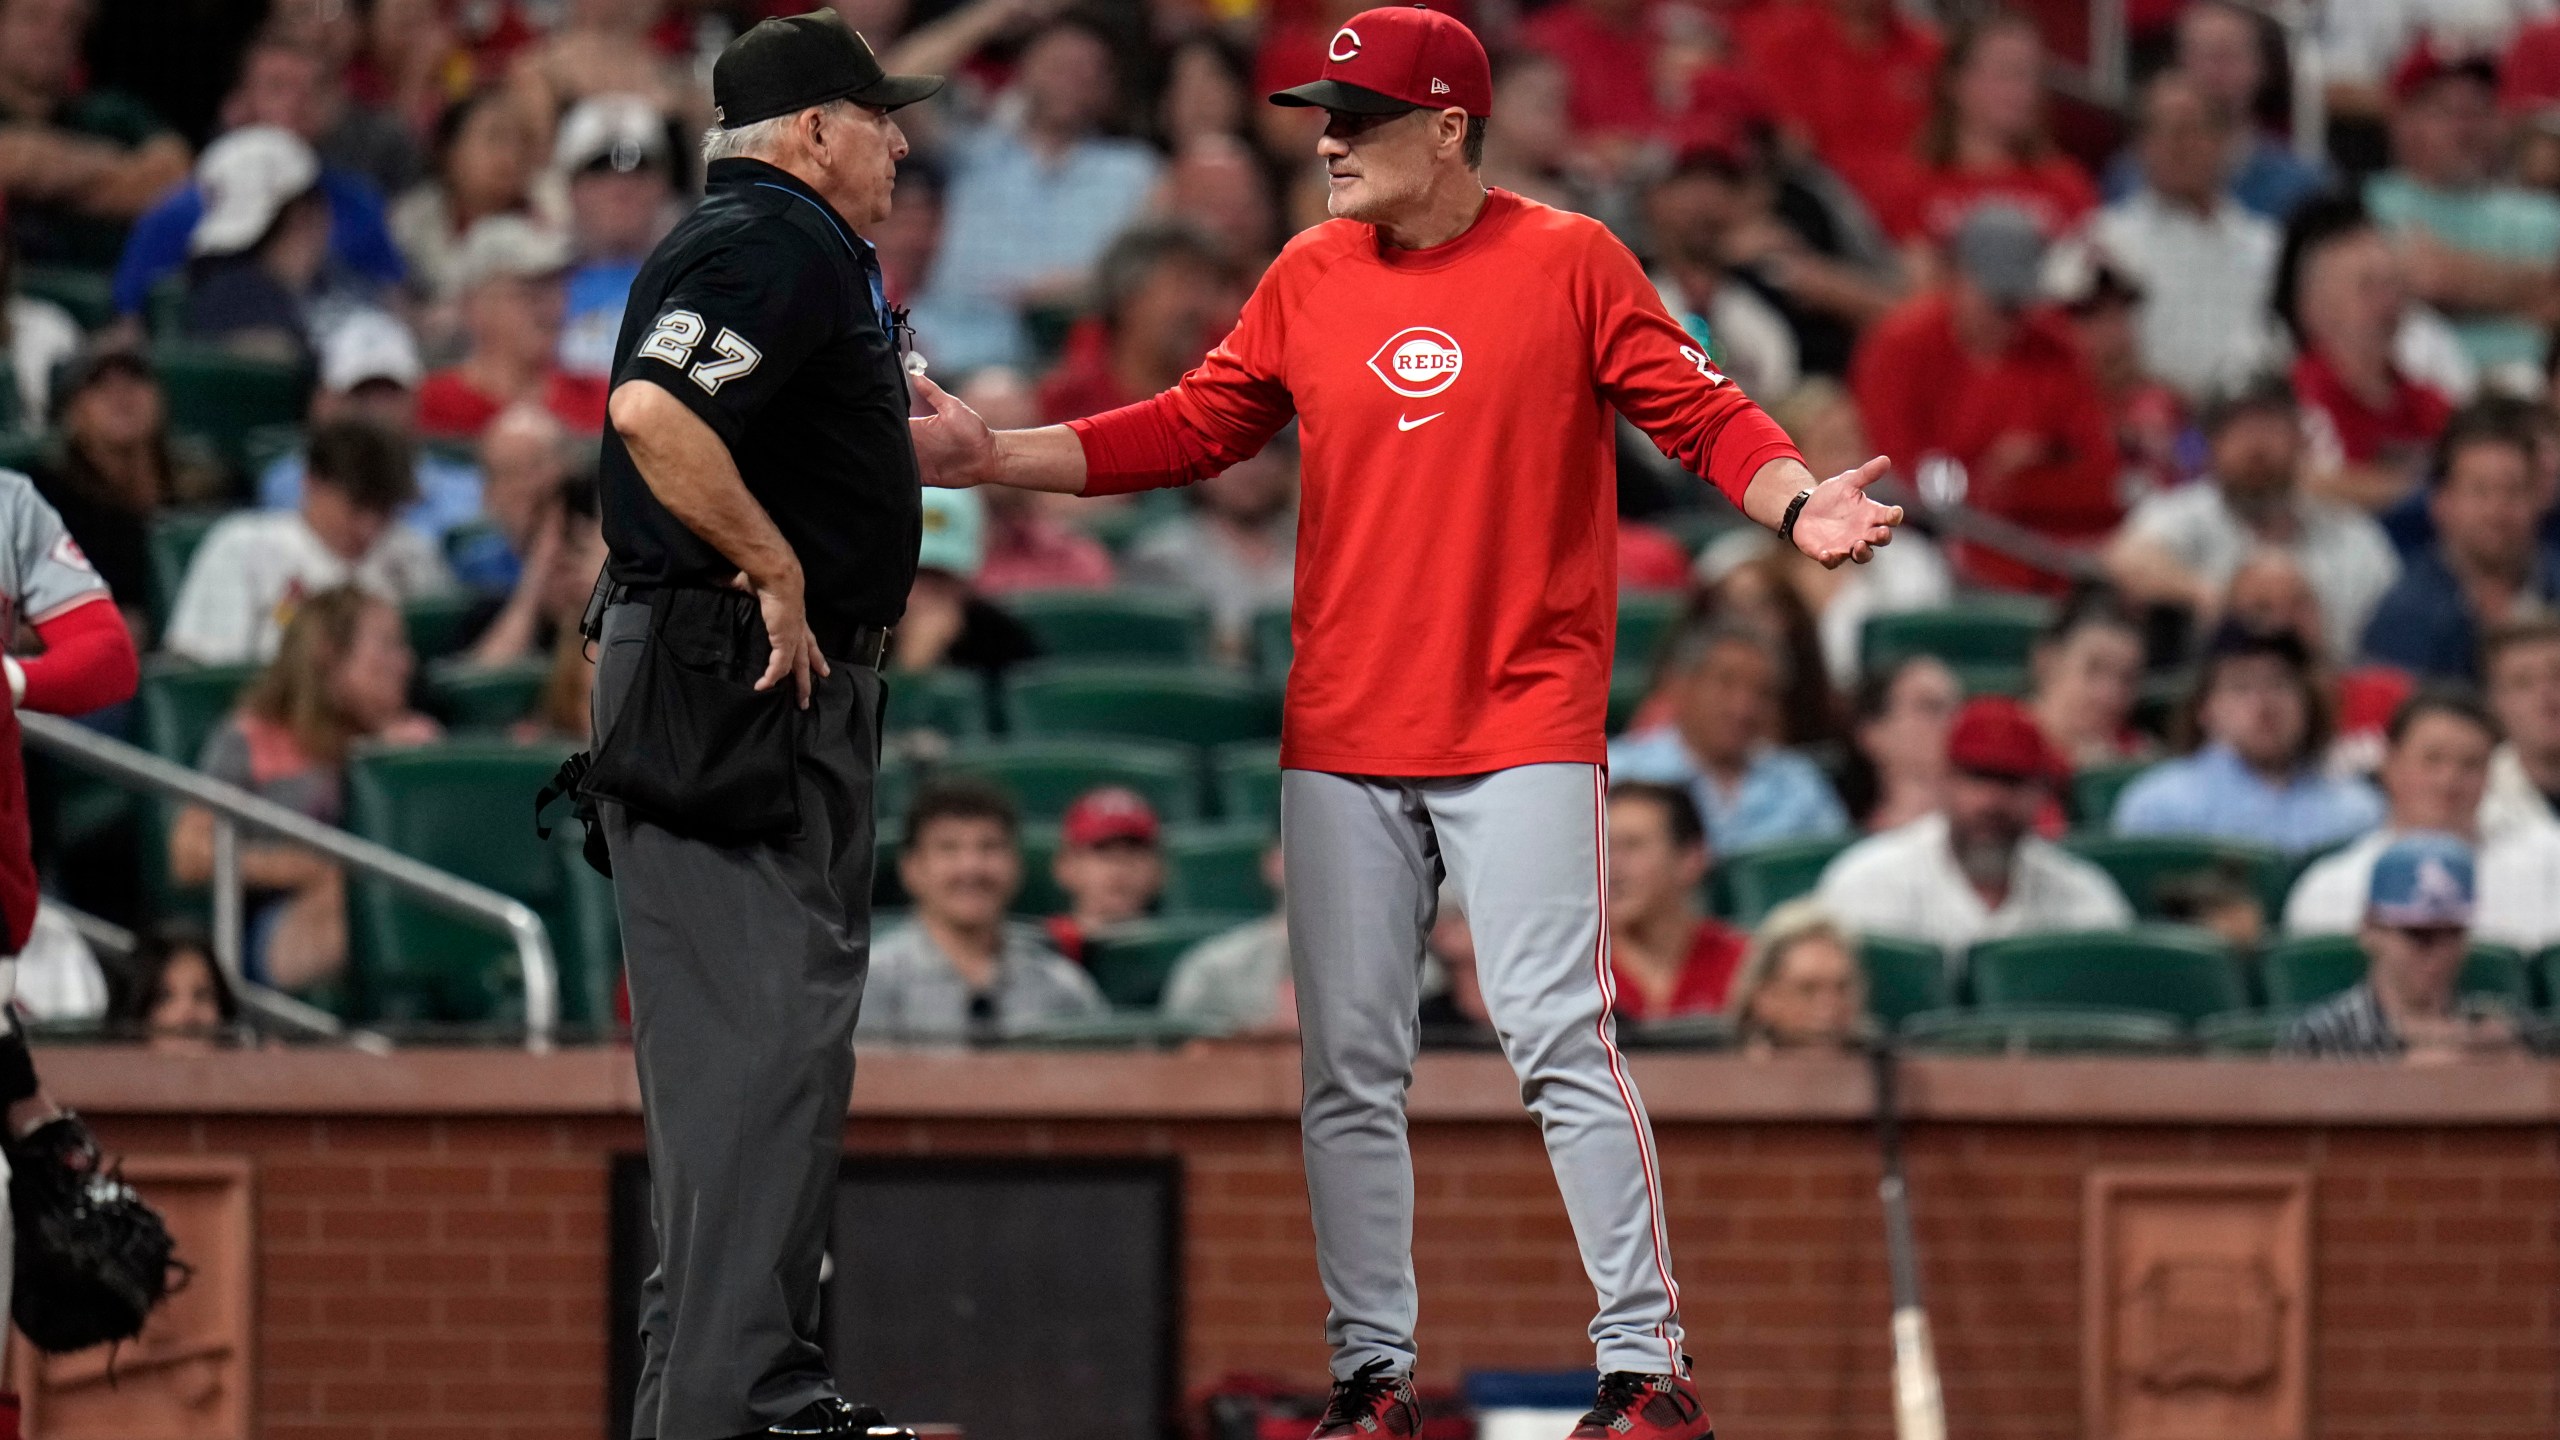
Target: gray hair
point(758, 141)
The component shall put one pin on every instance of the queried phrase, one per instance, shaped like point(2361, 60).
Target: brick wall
point(430, 1278)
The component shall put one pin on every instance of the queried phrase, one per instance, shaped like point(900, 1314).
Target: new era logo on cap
point(1400, 57)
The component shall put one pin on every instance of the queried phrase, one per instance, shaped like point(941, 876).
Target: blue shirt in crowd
point(593, 321)
point(1783, 796)
point(1014, 218)
point(2271, 180)
point(2214, 793)
point(448, 502)
point(2424, 624)
point(359, 237)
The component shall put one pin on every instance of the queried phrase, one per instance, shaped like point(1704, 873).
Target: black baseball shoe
point(1371, 1403)
point(828, 1419)
point(1636, 1406)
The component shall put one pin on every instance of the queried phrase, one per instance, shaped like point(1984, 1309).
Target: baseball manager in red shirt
point(1452, 355)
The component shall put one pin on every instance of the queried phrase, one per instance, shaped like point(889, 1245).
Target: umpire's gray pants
point(1527, 850)
point(746, 967)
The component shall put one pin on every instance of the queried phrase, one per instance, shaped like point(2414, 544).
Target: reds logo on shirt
point(67, 551)
point(1418, 362)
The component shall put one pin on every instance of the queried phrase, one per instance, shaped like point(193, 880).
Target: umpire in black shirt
point(760, 502)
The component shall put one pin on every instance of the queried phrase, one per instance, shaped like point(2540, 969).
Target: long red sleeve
point(1658, 376)
point(1227, 408)
point(87, 664)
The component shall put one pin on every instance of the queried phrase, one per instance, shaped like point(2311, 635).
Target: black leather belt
point(868, 646)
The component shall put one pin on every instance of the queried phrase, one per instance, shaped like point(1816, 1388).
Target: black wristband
point(1795, 507)
point(17, 1068)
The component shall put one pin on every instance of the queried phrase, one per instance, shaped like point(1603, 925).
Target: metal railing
point(273, 1008)
point(236, 810)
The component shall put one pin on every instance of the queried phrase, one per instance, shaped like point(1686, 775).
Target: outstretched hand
point(1840, 523)
point(954, 447)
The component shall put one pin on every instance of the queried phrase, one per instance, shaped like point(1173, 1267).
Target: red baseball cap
point(2424, 65)
point(1996, 736)
point(1396, 58)
point(1113, 812)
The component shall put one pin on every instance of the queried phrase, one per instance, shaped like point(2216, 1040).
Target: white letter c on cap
point(1346, 45)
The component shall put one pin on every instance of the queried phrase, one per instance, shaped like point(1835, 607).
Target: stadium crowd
point(2230, 626)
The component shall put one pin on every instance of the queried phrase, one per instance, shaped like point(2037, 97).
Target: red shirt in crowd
point(1860, 106)
point(452, 408)
point(2406, 424)
point(1923, 394)
point(1706, 975)
point(1456, 596)
point(1082, 384)
point(1929, 202)
point(1608, 68)
point(2529, 74)
point(1649, 558)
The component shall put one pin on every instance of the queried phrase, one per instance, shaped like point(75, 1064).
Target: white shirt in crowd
point(2519, 889)
point(1905, 882)
point(1910, 574)
point(256, 565)
point(2345, 557)
point(41, 336)
point(1752, 342)
point(2197, 272)
point(2512, 801)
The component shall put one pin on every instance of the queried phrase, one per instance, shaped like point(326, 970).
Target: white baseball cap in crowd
point(369, 345)
point(621, 133)
point(509, 247)
point(247, 178)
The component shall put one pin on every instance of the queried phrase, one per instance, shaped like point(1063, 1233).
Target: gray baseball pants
point(746, 966)
point(1527, 850)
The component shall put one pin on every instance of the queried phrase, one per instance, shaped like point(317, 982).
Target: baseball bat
point(1919, 1407)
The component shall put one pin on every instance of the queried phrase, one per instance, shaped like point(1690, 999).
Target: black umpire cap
point(792, 62)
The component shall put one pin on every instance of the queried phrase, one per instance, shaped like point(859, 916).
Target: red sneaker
point(1636, 1406)
point(1371, 1402)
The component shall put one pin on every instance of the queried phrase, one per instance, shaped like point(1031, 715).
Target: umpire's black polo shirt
point(761, 312)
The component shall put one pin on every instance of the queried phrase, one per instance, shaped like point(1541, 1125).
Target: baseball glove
point(92, 1258)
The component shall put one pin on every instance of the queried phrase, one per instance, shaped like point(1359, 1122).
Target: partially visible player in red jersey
point(48, 586)
point(1452, 355)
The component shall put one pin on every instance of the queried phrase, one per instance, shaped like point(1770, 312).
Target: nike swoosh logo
point(1404, 424)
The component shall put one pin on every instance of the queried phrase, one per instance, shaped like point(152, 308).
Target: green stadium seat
point(464, 807)
point(18, 450)
point(178, 707)
point(175, 534)
point(1248, 781)
point(1644, 622)
point(1132, 962)
point(1628, 689)
point(485, 697)
point(2546, 971)
point(267, 444)
point(2167, 969)
point(888, 892)
point(440, 625)
point(1758, 880)
point(1114, 625)
point(1217, 869)
point(90, 295)
point(222, 397)
point(2094, 791)
point(1141, 703)
point(1697, 529)
point(2042, 1031)
point(2243, 1032)
point(948, 702)
point(1040, 894)
point(2148, 867)
point(1273, 645)
point(181, 704)
point(1991, 631)
point(1045, 776)
point(2304, 971)
point(1985, 677)
point(1904, 977)
point(167, 310)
